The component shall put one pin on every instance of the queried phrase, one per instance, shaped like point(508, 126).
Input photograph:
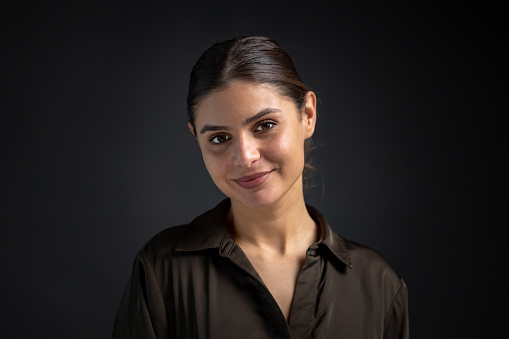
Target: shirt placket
point(304, 301)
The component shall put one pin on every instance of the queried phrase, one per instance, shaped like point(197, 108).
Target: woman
point(261, 264)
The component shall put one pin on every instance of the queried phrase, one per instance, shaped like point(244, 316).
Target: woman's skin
point(252, 143)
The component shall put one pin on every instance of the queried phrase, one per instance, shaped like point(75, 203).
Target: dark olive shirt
point(194, 281)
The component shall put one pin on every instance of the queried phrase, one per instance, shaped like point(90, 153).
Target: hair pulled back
point(255, 59)
point(249, 58)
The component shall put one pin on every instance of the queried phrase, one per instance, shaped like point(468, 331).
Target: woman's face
point(252, 142)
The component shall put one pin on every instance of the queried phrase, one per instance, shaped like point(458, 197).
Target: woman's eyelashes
point(265, 125)
point(221, 138)
point(218, 139)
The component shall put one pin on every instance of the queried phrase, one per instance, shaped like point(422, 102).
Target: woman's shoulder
point(362, 254)
point(357, 257)
point(204, 231)
point(368, 261)
point(162, 243)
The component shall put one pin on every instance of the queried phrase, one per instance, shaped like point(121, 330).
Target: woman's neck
point(283, 227)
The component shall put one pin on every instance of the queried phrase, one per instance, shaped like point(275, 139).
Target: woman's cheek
point(216, 164)
point(282, 146)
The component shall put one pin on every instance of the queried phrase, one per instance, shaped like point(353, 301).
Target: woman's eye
point(219, 139)
point(266, 125)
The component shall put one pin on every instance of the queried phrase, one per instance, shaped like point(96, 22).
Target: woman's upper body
point(253, 118)
point(194, 281)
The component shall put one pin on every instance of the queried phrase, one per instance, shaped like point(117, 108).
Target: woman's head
point(239, 80)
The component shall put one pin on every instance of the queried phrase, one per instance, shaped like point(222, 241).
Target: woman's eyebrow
point(207, 128)
point(249, 120)
point(260, 114)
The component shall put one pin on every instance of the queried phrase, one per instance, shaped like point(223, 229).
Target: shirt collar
point(334, 242)
point(209, 230)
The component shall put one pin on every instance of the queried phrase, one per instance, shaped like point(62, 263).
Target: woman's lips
point(253, 180)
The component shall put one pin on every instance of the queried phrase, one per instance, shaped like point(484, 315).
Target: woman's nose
point(246, 152)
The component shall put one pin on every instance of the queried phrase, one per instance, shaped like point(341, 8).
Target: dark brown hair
point(255, 59)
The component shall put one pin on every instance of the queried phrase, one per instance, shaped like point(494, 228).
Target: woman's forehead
point(239, 100)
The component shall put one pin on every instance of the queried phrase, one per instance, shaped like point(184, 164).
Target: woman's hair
point(254, 59)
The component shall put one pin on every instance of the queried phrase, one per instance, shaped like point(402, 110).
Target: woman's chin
point(261, 199)
point(255, 200)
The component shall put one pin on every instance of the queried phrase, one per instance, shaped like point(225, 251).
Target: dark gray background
point(97, 156)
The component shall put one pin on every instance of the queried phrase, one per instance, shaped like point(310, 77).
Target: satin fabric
point(194, 281)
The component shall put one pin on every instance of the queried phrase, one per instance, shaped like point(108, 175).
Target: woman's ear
point(309, 114)
point(191, 128)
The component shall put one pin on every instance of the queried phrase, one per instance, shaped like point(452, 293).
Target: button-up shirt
point(194, 281)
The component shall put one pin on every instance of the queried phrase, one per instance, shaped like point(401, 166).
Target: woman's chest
point(225, 298)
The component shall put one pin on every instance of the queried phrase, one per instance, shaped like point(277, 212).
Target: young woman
point(261, 264)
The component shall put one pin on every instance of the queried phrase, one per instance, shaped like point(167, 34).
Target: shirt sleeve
point(142, 312)
point(396, 319)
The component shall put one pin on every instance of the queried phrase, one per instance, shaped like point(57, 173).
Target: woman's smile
point(253, 180)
